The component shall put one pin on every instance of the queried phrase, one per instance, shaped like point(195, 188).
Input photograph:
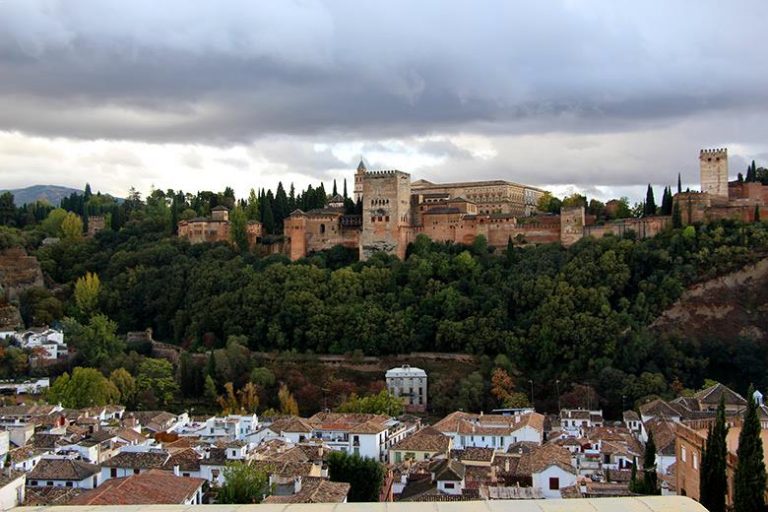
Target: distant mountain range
point(51, 193)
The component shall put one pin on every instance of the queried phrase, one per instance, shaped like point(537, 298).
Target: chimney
point(176, 470)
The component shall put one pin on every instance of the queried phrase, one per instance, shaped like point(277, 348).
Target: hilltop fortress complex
point(396, 210)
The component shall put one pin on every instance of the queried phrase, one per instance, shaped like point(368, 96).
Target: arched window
point(322, 228)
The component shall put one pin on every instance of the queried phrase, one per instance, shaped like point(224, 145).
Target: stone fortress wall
point(396, 211)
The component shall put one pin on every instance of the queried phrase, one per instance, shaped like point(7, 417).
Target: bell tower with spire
point(361, 170)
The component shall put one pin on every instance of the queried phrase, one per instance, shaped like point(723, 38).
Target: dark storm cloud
point(229, 72)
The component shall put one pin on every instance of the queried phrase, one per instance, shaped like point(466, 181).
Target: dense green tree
point(750, 478)
point(52, 223)
point(267, 216)
point(677, 218)
point(263, 377)
point(238, 229)
point(364, 475)
point(125, 385)
point(382, 403)
point(155, 383)
point(39, 307)
point(96, 342)
point(243, 484)
point(86, 387)
point(713, 480)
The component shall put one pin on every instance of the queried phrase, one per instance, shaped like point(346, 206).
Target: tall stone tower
point(359, 174)
point(386, 213)
point(713, 164)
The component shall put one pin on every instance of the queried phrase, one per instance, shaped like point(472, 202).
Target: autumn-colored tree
point(288, 404)
point(249, 398)
point(503, 389)
point(228, 401)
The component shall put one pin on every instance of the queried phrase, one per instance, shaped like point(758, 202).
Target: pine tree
point(749, 479)
point(650, 477)
point(252, 210)
point(713, 481)
point(650, 203)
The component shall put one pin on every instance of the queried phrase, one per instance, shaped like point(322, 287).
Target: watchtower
point(386, 213)
point(713, 164)
point(359, 174)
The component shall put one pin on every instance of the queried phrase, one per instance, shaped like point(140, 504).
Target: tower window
point(322, 228)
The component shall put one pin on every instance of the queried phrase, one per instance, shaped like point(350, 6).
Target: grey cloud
point(229, 72)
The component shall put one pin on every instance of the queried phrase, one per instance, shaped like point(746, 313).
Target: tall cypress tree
point(345, 188)
point(757, 213)
point(650, 202)
point(679, 184)
point(268, 216)
point(713, 481)
point(335, 189)
point(749, 479)
point(650, 477)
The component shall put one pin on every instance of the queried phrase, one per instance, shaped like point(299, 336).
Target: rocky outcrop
point(731, 305)
point(18, 271)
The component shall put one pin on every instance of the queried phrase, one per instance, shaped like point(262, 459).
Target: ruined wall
point(713, 167)
point(204, 230)
point(386, 213)
point(18, 271)
point(643, 228)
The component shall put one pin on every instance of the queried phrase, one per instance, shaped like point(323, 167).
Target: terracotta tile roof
point(290, 424)
point(631, 416)
point(428, 439)
point(62, 469)
point(546, 456)
point(711, 396)
point(315, 490)
point(152, 487)
point(45, 441)
point(488, 424)
point(284, 468)
point(25, 453)
point(137, 460)
point(657, 408)
point(49, 496)
point(663, 435)
point(7, 476)
point(130, 435)
point(186, 458)
point(474, 454)
point(448, 469)
point(357, 423)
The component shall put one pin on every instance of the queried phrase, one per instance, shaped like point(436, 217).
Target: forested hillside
point(578, 315)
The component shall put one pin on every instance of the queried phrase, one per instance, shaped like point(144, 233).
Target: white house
point(367, 435)
point(26, 458)
point(133, 460)
point(48, 342)
point(573, 422)
point(220, 429)
point(449, 476)
point(62, 472)
point(12, 489)
point(491, 430)
point(410, 384)
point(551, 469)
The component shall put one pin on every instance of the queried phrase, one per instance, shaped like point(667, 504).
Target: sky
point(600, 97)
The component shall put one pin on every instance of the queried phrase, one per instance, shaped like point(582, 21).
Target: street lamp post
point(533, 405)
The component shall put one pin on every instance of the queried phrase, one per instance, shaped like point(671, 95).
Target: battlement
point(384, 173)
point(720, 152)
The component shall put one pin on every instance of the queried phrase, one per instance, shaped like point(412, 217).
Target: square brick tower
point(713, 164)
point(386, 213)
